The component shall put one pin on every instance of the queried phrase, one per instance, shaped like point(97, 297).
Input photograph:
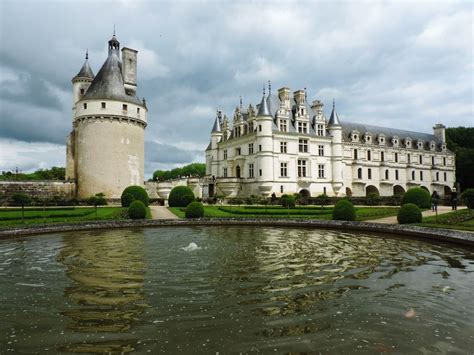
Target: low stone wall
point(379, 229)
point(37, 189)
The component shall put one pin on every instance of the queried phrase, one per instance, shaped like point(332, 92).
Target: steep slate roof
point(263, 109)
point(108, 84)
point(85, 72)
point(334, 119)
point(217, 126)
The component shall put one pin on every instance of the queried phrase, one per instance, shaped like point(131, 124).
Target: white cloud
point(259, 71)
point(150, 66)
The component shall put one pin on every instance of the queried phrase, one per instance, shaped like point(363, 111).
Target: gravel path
point(161, 212)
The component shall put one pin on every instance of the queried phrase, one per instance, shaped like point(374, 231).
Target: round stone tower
point(106, 146)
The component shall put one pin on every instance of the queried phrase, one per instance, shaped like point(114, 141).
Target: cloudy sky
point(399, 64)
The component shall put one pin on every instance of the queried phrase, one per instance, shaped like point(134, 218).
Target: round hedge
point(288, 201)
point(138, 193)
point(468, 197)
point(409, 213)
point(180, 196)
point(137, 210)
point(344, 211)
point(417, 196)
point(194, 210)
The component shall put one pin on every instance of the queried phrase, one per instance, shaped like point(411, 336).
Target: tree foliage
point(409, 213)
point(190, 170)
point(55, 173)
point(180, 196)
point(137, 210)
point(460, 140)
point(417, 196)
point(344, 211)
point(138, 192)
point(194, 210)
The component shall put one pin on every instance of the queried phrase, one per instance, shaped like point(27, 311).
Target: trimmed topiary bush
point(344, 211)
point(417, 196)
point(180, 196)
point(288, 201)
point(127, 199)
point(409, 213)
point(138, 193)
point(194, 210)
point(137, 210)
point(468, 197)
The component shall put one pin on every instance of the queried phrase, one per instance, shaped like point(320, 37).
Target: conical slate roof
point(108, 84)
point(263, 109)
point(217, 126)
point(334, 119)
point(86, 71)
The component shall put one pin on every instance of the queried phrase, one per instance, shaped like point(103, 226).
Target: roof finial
point(241, 103)
point(333, 103)
point(114, 29)
point(264, 90)
point(269, 88)
point(87, 54)
point(305, 95)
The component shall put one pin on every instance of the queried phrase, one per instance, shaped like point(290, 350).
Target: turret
point(82, 81)
point(335, 130)
point(216, 133)
point(439, 130)
point(264, 121)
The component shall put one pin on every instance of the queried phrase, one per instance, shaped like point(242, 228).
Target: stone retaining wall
point(37, 189)
point(382, 230)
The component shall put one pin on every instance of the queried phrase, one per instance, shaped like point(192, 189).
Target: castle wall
point(37, 189)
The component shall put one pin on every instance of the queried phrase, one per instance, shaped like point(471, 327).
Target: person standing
point(434, 201)
point(454, 200)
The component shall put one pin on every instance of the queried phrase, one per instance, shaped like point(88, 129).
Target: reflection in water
point(107, 270)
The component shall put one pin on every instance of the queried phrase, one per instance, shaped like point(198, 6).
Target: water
point(234, 289)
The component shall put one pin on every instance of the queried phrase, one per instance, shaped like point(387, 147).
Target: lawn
point(12, 216)
point(304, 212)
point(462, 220)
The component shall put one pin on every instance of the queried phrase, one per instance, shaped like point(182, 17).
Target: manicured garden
point(461, 220)
point(313, 212)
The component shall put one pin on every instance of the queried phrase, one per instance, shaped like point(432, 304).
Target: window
point(413, 175)
point(437, 176)
point(251, 171)
point(282, 147)
point(320, 130)
point(238, 151)
point(321, 150)
point(432, 160)
point(386, 174)
point(138, 110)
point(408, 158)
point(85, 106)
point(103, 105)
point(260, 128)
point(396, 157)
point(355, 153)
point(259, 147)
point(283, 169)
point(321, 171)
point(369, 155)
point(303, 145)
point(281, 188)
point(251, 148)
point(302, 127)
point(260, 172)
point(359, 173)
point(124, 107)
point(283, 126)
point(225, 172)
point(421, 159)
point(421, 175)
point(324, 190)
point(382, 156)
point(396, 174)
point(445, 176)
point(82, 91)
point(444, 161)
point(225, 154)
point(301, 168)
point(369, 173)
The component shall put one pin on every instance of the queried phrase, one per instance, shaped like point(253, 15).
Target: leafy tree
point(190, 170)
point(55, 173)
point(21, 199)
point(460, 140)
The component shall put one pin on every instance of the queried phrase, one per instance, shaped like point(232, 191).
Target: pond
point(206, 290)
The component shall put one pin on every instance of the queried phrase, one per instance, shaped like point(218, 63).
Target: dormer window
point(408, 143)
point(355, 136)
point(420, 144)
point(432, 145)
point(443, 147)
point(395, 141)
point(367, 138)
point(381, 139)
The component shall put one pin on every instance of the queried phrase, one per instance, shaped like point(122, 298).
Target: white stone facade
point(290, 146)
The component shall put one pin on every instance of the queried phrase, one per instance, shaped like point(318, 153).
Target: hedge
point(417, 196)
point(468, 197)
point(288, 201)
point(409, 213)
point(138, 192)
point(137, 210)
point(180, 196)
point(194, 210)
point(344, 211)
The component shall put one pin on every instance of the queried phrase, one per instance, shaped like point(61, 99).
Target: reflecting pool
point(208, 290)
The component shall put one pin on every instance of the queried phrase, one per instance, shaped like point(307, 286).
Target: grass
point(461, 220)
point(303, 212)
point(12, 217)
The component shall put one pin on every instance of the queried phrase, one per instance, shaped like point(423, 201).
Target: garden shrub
point(373, 199)
point(194, 210)
point(97, 200)
point(417, 196)
point(468, 197)
point(20, 199)
point(137, 210)
point(180, 196)
point(344, 211)
point(127, 199)
point(288, 201)
point(409, 213)
point(138, 192)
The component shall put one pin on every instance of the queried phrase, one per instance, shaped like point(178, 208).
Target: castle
point(105, 150)
point(286, 145)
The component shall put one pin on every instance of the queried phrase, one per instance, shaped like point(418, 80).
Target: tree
point(190, 170)
point(21, 199)
point(460, 140)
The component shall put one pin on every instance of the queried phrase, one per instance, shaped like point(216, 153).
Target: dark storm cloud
point(407, 65)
